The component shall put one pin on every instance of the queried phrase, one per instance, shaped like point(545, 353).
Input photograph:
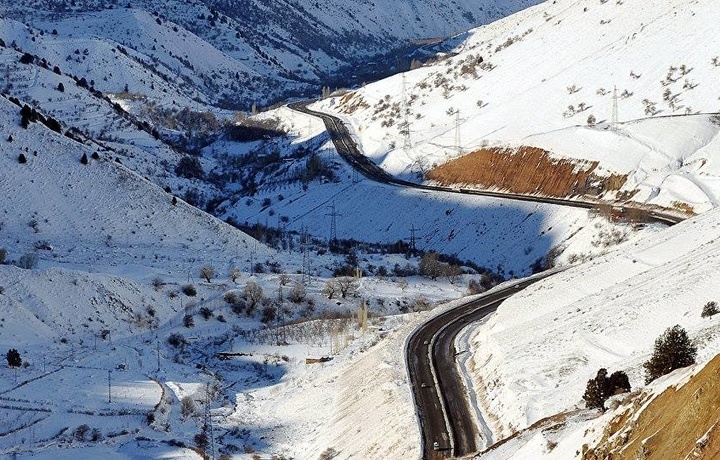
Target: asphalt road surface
point(445, 414)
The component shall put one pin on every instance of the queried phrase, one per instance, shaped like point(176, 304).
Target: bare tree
point(284, 279)
point(347, 285)
point(234, 274)
point(207, 272)
point(297, 293)
point(402, 284)
point(253, 295)
point(188, 407)
point(430, 266)
point(330, 288)
point(453, 273)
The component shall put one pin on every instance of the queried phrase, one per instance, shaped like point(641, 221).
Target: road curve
point(347, 149)
point(445, 414)
point(443, 409)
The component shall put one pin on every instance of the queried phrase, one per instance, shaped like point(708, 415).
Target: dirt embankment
point(526, 170)
point(680, 423)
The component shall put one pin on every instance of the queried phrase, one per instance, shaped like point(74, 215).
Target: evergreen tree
point(84, 159)
point(710, 309)
point(189, 167)
point(13, 358)
point(27, 58)
point(599, 389)
point(617, 383)
point(594, 396)
point(673, 350)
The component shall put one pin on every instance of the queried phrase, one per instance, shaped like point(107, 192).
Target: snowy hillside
point(233, 54)
point(100, 213)
point(119, 335)
point(605, 313)
point(148, 328)
point(546, 77)
point(507, 237)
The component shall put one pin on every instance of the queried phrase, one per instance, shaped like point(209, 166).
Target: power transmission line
point(614, 120)
point(407, 144)
point(333, 221)
point(458, 144)
point(305, 248)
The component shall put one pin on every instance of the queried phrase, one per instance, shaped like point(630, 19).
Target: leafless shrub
point(421, 303)
point(188, 407)
point(253, 294)
point(328, 454)
point(650, 107)
point(28, 261)
point(189, 290)
point(297, 293)
point(347, 286)
point(330, 288)
point(158, 283)
point(573, 89)
point(207, 272)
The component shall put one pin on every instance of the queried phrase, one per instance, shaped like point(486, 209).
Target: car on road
point(424, 385)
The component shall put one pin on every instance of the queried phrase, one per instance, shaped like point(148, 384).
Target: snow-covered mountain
point(128, 352)
point(100, 214)
point(629, 85)
point(236, 53)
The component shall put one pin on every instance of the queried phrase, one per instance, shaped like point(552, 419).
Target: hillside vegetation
point(680, 422)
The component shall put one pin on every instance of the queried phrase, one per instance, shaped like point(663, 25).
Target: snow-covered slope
point(507, 237)
point(100, 214)
point(546, 77)
point(533, 358)
point(239, 53)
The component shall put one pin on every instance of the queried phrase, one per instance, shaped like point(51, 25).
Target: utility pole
point(109, 387)
point(614, 120)
point(305, 248)
point(458, 144)
point(208, 421)
point(252, 257)
point(333, 221)
point(412, 238)
point(158, 356)
point(278, 314)
point(407, 144)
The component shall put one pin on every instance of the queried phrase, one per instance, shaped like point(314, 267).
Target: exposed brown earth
point(526, 170)
point(681, 423)
point(351, 102)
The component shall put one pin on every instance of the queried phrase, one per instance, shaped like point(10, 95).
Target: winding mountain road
point(445, 413)
point(349, 151)
point(447, 421)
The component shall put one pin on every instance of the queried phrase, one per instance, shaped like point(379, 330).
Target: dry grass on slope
point(526, 170)
point(680, 423)
point(351, 102)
